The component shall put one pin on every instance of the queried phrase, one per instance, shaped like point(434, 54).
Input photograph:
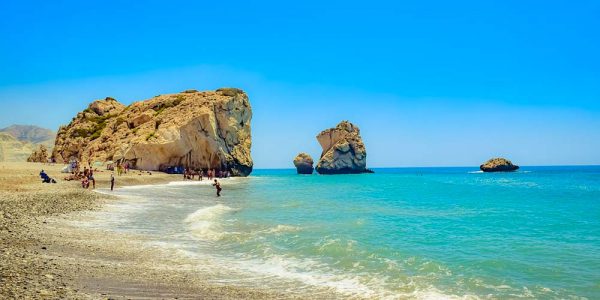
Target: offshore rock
point(343, 150)
point(197, 130)
point(303, 163)
point(498, 165)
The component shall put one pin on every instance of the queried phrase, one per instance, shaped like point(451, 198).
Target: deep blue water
point(406, 232)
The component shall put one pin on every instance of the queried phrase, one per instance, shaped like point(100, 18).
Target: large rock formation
point(303, 163)
point(343, 150)
point(498, 165)
point(199, 130)
point(39, 155)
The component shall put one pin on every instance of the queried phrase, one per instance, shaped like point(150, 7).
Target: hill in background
point(17, 142)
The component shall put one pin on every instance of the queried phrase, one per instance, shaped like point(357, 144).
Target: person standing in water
point(112, 181)
point(217, 185)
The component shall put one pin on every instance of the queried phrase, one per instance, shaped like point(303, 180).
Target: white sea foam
point(313, 273)
point(224, 181)
point(204, 222)
point(188, 182)
point(283, 228)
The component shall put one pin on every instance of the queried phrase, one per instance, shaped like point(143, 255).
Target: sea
point(400, 233)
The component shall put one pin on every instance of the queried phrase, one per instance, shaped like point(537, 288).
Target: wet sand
point(43, 256)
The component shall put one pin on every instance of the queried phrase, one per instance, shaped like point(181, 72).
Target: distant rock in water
point(199, 130)
point(303, 163)
point(39, 155)
point(498, 165)
point(343, 150)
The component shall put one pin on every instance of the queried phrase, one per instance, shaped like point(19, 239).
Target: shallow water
point(410, 232)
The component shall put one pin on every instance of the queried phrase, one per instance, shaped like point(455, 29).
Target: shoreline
point(44, 257)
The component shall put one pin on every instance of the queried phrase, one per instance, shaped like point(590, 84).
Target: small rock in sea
point(303, 163)
point(498, 164)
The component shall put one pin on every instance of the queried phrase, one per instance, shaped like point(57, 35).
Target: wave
point(188, 182)
point(204, 222)
point(310, 272)
point(283, 228)
point(480, 172)
point(230, 180)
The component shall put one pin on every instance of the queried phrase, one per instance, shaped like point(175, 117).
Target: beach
point(43, 258)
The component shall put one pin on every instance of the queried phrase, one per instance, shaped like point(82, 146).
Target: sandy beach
point(44, 256)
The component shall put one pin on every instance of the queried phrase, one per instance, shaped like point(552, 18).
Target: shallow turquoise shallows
point(398, 233)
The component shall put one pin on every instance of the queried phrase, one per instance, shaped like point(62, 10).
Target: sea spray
point(204, 222)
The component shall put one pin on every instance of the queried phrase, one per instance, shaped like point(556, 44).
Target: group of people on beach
point(189, 174)
point(88, 177)
point(121, 168)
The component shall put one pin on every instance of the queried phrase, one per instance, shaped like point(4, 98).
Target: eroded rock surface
point(39, 155)
point(199, 130)
point(343, 150)
point(304, 163)
point(498, 164)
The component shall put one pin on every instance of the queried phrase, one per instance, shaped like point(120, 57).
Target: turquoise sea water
point(398, 233)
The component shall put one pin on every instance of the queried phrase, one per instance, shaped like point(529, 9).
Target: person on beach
point(112, 181)
point(85, 183)
point(91, 178)
point(217, 185)
point(46, 178)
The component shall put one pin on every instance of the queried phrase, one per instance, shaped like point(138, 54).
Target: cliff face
point(343, 150)
point(194, 129)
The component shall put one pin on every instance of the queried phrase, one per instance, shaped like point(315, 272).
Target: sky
point(429, 83)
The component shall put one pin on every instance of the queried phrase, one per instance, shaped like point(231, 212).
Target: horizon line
point(414, 167)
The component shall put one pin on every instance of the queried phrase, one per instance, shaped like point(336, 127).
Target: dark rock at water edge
point(304, 163)
point(498, 165)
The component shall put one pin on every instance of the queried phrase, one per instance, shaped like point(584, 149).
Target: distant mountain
point(30, 133)
point(17, 142)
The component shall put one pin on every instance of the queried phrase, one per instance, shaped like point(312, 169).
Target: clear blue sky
point(430, 83)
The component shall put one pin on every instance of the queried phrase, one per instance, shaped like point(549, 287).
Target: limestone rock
point(498, 165)
point(39, 155)
point(199, 130)
point(303, 163)
point(343, 150)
